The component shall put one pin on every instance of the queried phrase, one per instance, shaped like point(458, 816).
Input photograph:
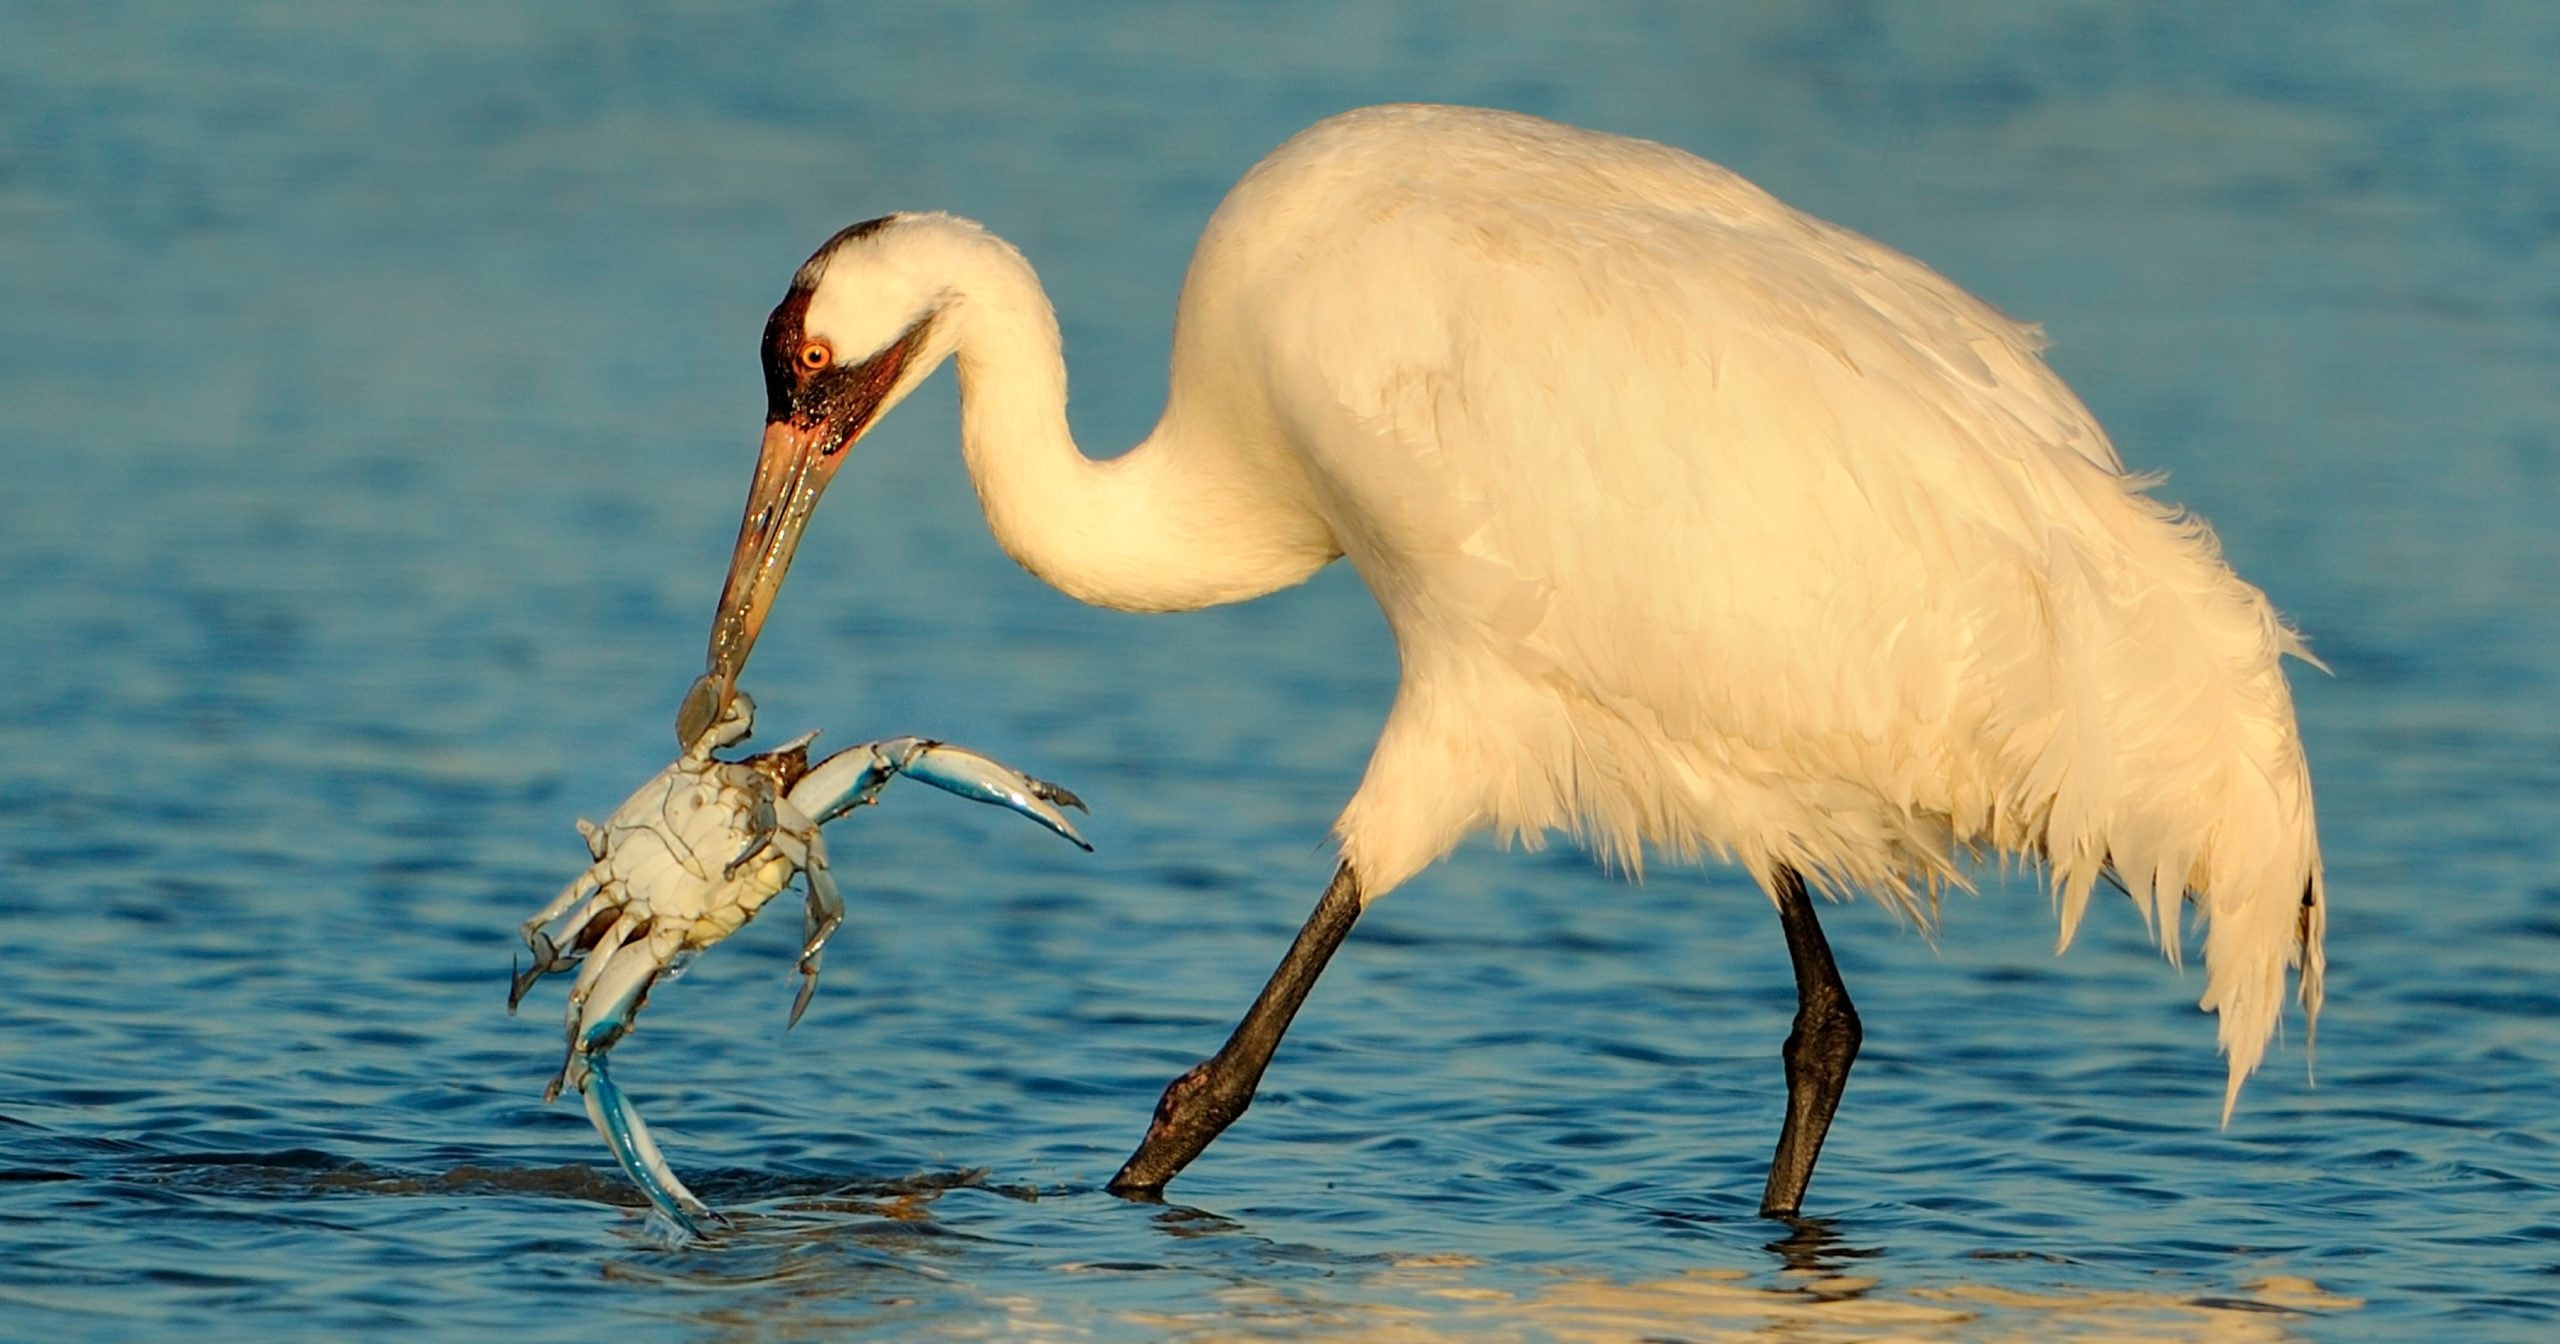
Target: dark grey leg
point(1199, 1104)
point(1818, 1053)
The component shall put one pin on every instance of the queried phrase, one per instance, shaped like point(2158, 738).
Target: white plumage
point(1702, 526)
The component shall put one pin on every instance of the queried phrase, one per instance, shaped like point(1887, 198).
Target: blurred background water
point(377, 389)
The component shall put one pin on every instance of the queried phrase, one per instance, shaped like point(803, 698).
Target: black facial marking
point(782, 340)
point(841, 396)
point(848, 397)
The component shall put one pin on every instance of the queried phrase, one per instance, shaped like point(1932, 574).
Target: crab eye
point(815, 356)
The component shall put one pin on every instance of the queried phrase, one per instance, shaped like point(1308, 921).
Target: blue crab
point(688, 859)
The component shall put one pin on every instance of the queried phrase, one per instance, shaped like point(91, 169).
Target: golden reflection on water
point(1438, 1303)
point(880, 1261)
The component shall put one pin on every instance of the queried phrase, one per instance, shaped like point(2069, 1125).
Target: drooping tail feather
point(2176, 765)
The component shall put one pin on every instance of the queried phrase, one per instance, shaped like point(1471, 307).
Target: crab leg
point(581, 934)
point(548, 955)
point(580, 888)
point(545, 961)
point(826, 914)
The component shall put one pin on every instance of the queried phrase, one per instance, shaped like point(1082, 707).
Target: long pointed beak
point(809, 425)
point(792, 470)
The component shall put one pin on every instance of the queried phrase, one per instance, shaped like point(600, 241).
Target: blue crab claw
point(855, 776)
point(958, 770)
point(616, 997)
point(628, 1136)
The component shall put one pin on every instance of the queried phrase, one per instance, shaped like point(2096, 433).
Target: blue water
point(376, 396)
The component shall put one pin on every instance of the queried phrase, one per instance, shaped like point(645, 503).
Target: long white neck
point(1202, 512)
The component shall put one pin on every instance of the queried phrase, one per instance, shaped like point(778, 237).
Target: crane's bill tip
point(699, 710)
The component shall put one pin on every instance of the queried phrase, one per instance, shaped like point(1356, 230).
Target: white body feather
point(1702, 525)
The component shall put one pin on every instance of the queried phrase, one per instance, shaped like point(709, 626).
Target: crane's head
point(852, 337)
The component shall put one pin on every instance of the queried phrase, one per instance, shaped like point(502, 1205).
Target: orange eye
point(815, 356)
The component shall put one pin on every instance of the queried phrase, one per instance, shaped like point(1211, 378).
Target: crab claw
point(628, 1136)
point(854, 776)
point(614, 995)
point(958, 770)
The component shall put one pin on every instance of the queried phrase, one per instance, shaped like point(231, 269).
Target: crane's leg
point(1818, 1053)
point(1199, 1104)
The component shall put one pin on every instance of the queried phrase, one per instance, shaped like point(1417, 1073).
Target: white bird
point(1703, 527)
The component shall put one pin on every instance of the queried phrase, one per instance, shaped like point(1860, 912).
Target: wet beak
point(811, 419)
point(792, 470)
